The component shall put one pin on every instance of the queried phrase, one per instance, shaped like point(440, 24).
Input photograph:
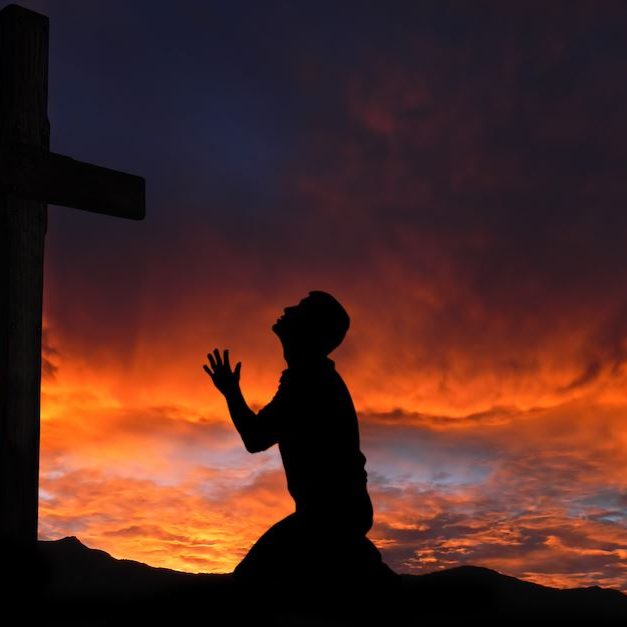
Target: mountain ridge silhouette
point(84, 587)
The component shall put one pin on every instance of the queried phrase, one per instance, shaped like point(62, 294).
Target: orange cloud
point(184, 526)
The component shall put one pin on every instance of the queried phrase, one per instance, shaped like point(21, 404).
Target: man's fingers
point(227, 363)
point(216, 353)
point(210, 373)
point(211, 361)
point(238, 367)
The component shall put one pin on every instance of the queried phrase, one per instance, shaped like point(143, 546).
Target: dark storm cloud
point(483, 147)
point(506, 143)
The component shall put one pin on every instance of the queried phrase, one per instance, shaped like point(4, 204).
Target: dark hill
point(79, 586)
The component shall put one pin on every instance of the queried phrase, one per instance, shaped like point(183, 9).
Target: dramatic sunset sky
point(454, 172)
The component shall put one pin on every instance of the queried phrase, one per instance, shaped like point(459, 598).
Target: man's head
point(317, 325)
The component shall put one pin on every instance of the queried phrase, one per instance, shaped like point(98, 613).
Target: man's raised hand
point(219, 369)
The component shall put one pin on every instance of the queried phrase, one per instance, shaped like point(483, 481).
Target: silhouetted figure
point(313, 420)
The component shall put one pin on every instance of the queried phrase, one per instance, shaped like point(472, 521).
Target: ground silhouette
point(82, 587)
point(313, 420)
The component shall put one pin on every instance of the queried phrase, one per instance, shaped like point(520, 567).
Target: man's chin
point(279, 330)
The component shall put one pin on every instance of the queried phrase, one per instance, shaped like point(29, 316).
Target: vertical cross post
point(23, 121)
point(31, 176)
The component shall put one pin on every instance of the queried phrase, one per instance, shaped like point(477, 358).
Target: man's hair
point(329, 318)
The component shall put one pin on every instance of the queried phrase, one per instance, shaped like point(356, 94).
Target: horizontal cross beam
point(36, 174)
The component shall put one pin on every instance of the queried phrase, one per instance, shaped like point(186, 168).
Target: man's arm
point(254, 433)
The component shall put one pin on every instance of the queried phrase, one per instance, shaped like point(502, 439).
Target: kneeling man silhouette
point(313, 420)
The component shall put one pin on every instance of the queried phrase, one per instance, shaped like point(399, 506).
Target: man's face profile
point(316, 326)
point(294, 320)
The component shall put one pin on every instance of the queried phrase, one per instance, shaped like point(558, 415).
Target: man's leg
point(274, 554)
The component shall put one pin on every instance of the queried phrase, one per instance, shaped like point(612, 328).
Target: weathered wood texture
point(60, 180)
point(23, 120)
point(31, 176)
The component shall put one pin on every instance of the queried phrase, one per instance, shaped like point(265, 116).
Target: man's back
point(314, 422)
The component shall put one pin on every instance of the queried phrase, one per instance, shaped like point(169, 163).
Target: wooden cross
point(30, 177)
